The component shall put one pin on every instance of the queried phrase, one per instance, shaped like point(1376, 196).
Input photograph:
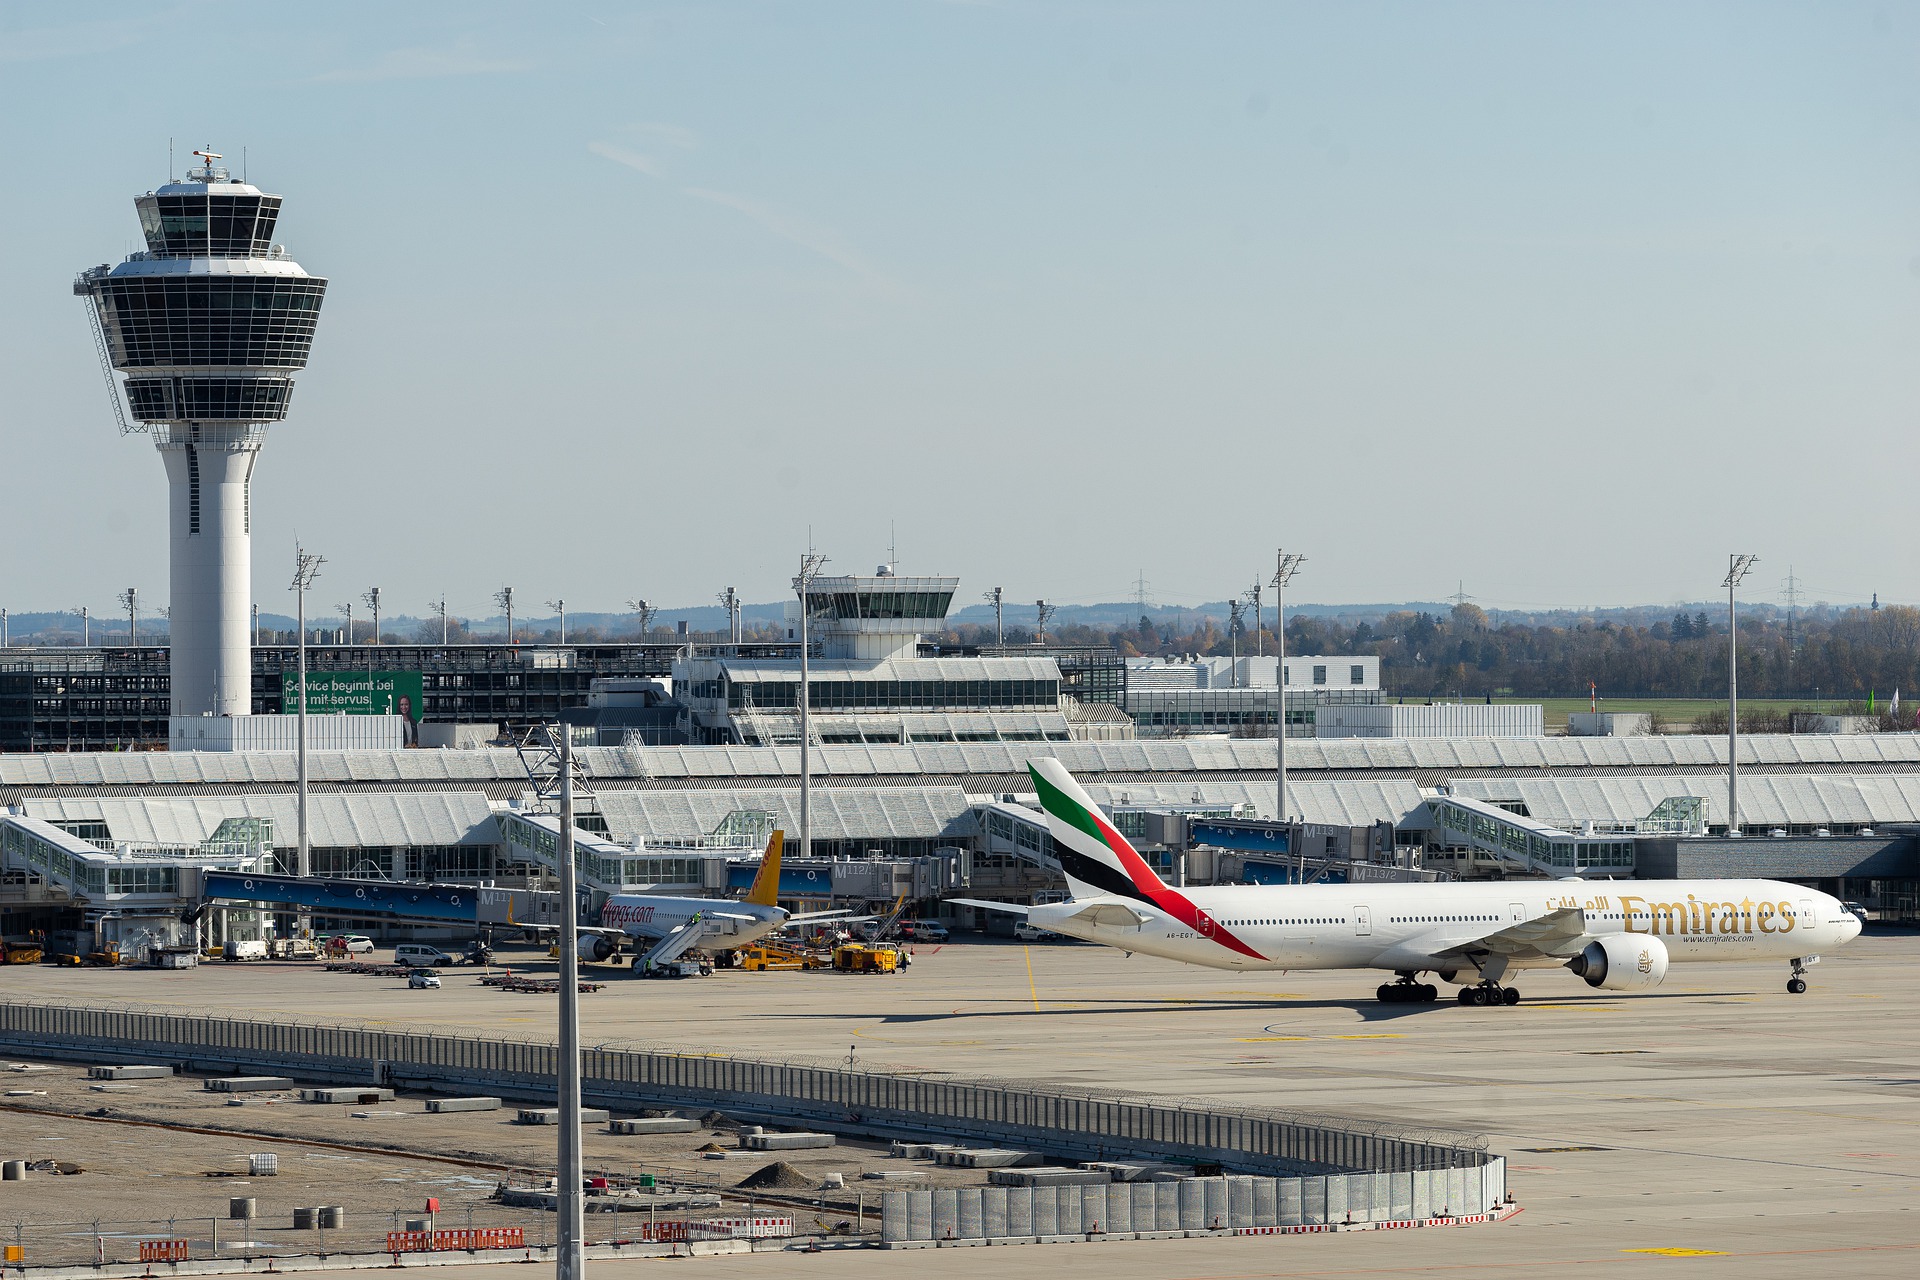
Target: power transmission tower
point(1460, 597)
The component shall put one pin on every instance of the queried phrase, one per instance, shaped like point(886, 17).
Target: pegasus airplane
point(670, 926)
point(1617, 935)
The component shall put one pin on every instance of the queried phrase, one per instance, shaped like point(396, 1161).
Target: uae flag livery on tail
point(1099, 862)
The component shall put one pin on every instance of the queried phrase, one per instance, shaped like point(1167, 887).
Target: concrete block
point(785, 1141)
point(551, 1115)
point(662, 1124)
point(1044, 1177)
point(129, 1073)
point(463, 1104)
point(362, 1095)
point(987, 1158)
point(247, 1084)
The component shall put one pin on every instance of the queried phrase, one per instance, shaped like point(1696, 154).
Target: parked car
point(355, 944)
point(420, 954)
point(923, 931)
point(423, 979)
point(1034, 933)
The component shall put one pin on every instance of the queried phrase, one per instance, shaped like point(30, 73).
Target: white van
point(420, 955)
point(1034, 933)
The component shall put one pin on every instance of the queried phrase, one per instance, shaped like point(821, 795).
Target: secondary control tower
point(208, 325)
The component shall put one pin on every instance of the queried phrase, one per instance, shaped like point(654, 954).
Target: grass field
point(1674, 712)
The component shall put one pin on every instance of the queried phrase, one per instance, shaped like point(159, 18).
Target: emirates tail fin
point(1096, 858)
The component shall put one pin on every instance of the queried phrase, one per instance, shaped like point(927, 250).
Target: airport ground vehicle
point(923, 931)
point(1616, 935)
point(1034, 933)
point(354, 944)
point(423, 980)
point(420, 953)
point(858, 957)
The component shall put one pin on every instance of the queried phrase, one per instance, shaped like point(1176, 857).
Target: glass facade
point(895, 695)
point(258, 321)
point(205, 224)
point(209, 399)
point(916, 605)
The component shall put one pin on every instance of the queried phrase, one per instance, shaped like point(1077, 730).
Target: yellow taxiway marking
point(1031, 989)
point(1682, 1253)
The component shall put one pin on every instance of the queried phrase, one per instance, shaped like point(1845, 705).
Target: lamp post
point(809, 569)
point(347, 609)
point(561, 605)
point(86, 628)
point(372, 597)
point(996, 598)
point(440, 607)
point(1737, 568)
point(131, 599)
point(306, 568)
point(570, 1259)
point(1285, 567)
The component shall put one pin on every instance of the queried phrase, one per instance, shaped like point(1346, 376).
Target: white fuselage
point(645, 915)
point(1412, 927)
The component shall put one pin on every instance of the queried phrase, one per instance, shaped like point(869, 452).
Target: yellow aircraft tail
point(766, 883)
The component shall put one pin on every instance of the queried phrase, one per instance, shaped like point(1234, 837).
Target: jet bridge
point(1526, 844)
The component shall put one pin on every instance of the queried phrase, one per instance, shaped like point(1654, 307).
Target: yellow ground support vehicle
point(20, 953)
point(764, 956)
point(858, 957)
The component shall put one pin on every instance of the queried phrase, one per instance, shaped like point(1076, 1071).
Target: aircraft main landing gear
point(1406, 991)
point(1489, 993)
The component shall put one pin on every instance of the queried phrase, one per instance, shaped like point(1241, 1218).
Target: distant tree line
point(1847, 654)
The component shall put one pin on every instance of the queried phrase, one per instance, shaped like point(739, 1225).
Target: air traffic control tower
point(208, 325)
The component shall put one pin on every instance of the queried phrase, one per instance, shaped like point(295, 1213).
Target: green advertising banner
point(356, 693)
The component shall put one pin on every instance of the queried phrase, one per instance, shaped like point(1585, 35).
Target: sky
point(1554, 304)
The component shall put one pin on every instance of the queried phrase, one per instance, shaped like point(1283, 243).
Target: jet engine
point(1622, 962)
point(602, 947)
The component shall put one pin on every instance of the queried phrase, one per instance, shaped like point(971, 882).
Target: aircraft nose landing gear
point(1797, 984)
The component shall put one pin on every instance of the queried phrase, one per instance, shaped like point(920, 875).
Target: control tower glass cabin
point(208, 325)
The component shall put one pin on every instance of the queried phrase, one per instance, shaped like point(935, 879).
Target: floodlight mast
point(130, 598)
point(996, 598)
point(306, 567)
point(1737, 568)
point(504, 598)
point(372, 597)
point(1285, 567)
point(809, 570)
point(570, 1259)
point(561, 605)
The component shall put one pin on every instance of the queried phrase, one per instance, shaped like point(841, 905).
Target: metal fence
point(1194, 1204)
point(1096, 1124)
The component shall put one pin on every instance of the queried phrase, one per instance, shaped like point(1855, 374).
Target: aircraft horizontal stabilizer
point(1012, 908)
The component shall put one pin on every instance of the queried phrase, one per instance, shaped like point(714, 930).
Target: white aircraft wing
point(1555, 935)
point(807, 917)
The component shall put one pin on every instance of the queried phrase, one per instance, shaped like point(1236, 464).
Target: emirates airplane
point(1618, 935)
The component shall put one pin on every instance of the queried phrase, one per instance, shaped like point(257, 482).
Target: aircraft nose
point(1850, 927)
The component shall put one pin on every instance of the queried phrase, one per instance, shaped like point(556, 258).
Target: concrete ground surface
point(1774, 1134)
